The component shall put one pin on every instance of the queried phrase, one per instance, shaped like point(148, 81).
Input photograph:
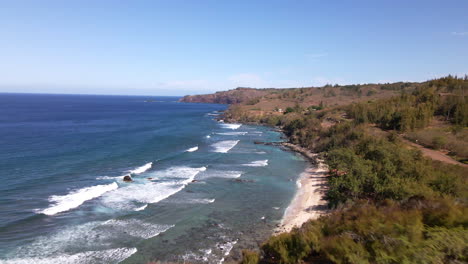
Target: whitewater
point(193, 181)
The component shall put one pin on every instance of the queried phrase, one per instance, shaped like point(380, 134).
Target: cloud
point(248, 80)
point(321, 81)
point(462, 34)
point(315, 56)
point(185, 84)
point(258, 81)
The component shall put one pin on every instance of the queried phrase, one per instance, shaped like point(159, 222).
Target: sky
point(177, 47)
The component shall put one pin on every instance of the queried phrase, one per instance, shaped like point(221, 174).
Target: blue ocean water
point(202, 189)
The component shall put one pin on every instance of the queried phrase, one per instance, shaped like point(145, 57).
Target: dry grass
point(454, 143)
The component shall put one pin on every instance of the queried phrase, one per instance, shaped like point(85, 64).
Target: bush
point(438, 142)
point(385, 233)
point(250, 257)
point(289, 110)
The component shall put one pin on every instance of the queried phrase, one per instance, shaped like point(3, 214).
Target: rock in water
point(127, 178)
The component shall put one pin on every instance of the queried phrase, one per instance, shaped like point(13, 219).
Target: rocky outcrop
point(127, 178)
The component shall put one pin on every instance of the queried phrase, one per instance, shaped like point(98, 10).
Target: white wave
point(231, 126)
point(298, 183)
point(151, 192)
point(141, 208)
point(212, 114)
point(91, 237)
point(110, 177)
point(224, 146)
point(136, 228)
point(191, 201)
point(192, 149)
point(221, 174)
point(199, 201)
point(75, 198)
point(257, 163)
point(260, 152)
point(115, 255)
point(211, 255)
point(233, 133)
point(204, 201)
point(142, 169)
point(95, 242)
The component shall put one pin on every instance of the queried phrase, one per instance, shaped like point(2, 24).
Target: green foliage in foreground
point(388, 233)
point(378, 169)
point(250, 257)
point(391, 205)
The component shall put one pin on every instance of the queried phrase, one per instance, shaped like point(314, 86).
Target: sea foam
point(221, 174)
point(136, 228)
point(75, 198)
point(114, 255)
point(231, 126)
point(141, 208)
point(258, 163)
point(224, 146)
point(192, 149)
point(142, 169)
point(233, 133)
point(175, 179)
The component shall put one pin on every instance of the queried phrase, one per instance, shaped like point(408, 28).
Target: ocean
point(201, 191)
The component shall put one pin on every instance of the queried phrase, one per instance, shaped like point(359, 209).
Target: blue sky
point(186, 47)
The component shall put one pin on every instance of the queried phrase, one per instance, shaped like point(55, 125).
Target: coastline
point(308, 202)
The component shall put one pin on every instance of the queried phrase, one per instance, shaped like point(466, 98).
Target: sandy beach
point(308, 203)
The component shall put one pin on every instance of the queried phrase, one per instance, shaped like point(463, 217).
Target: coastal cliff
point(236, 96)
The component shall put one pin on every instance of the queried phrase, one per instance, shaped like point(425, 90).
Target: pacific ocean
point(201, 191)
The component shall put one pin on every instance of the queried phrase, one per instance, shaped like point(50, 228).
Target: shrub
point(250, 257)
point(438, 142)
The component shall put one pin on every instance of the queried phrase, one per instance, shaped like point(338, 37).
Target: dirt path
point(434, 154)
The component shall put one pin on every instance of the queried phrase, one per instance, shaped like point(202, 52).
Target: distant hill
point(332, 95)
point(260, 103)
point(238, 95)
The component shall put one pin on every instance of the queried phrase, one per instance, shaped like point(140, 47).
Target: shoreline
point(308, 202)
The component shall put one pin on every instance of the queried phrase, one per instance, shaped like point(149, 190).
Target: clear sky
point(183, 47)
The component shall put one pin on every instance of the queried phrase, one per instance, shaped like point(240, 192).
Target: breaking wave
point(142, 169)
point(175, 179)
point(192, 149)
point(258, 163)
point(75, 198)
point(141, 208)
point(114, 255)
point(231, 126)
point(224, 146)
point(232, 133)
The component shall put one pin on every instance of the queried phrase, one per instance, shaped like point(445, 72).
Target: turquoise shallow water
point(202, 189)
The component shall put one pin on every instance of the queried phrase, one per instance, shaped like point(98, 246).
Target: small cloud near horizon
point(316, 55)
point(464, 33)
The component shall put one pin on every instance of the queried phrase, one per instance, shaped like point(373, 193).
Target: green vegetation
point(250, 257)
point(389, 203)
point(416, 231)
point(407, 112)
point(452, 139)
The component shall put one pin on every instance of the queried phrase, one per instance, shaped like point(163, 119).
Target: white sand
point(308, 203)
